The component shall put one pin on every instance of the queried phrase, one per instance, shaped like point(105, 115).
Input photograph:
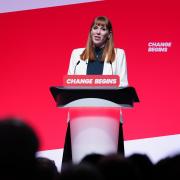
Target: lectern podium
point(94, 116)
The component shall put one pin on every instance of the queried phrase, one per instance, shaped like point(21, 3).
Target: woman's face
point(99, 35)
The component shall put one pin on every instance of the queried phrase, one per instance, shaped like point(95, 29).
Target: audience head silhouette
point(92, 159)
point(19, 145)
point(46, 168)
point(80, 172)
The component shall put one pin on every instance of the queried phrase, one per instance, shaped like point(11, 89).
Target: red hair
point(108, 51)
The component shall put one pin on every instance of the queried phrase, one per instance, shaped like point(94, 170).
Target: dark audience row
point(19, 145)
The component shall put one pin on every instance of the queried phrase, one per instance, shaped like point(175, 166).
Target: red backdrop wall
point(34, 54)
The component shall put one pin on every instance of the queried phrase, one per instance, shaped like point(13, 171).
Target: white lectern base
point(94, 130)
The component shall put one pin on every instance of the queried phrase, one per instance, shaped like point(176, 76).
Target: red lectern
point(94, 116)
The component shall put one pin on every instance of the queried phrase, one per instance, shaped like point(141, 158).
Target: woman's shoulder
point(119, 51)
point(78, 51)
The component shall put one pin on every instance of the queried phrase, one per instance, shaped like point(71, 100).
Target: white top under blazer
point(77, 66)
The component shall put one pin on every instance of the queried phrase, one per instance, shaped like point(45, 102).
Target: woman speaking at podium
point(99, 57)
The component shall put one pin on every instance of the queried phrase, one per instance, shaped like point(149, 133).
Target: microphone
point(111, 67)
point(76, 66)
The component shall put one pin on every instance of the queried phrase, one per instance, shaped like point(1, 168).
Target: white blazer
point(77, 66)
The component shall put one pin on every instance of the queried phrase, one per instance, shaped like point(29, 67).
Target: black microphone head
point(78, 62)
point(111, 67)
point(76, 66)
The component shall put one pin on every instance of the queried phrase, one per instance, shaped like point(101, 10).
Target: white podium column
point(94, 130)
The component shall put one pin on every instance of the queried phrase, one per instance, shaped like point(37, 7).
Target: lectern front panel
point(94, 130)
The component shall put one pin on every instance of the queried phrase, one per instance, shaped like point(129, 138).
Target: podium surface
point(94, 96)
